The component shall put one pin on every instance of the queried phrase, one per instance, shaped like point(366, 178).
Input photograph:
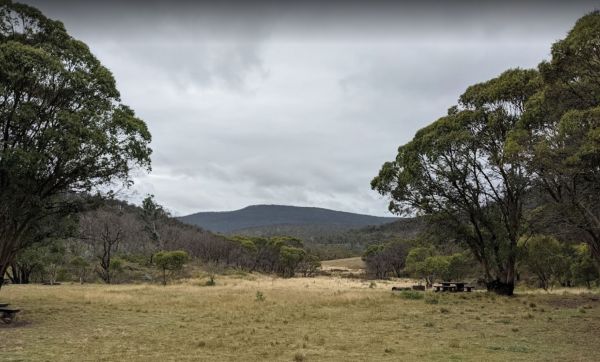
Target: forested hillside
point(276, 215)
point(113, 241)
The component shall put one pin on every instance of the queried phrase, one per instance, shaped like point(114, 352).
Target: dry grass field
point(347, 263)
point(255, 318)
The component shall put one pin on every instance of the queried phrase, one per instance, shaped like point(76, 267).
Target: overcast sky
point(297, 104)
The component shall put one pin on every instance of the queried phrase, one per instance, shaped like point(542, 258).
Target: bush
point(387, 258)
point(172, 261)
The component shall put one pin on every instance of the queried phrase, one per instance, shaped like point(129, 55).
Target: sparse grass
point(320, 319)
point(432, 299)
point(412, 294)
point(347, 263)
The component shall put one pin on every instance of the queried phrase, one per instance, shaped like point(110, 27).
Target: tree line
point(118, 242)
point(524, 141)
point(542, 261)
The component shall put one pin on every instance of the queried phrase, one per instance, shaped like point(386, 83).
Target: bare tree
point(104, 230)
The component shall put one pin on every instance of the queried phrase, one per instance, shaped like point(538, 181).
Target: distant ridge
point(270, 215)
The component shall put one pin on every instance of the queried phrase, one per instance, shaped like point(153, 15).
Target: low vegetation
point(256, 317)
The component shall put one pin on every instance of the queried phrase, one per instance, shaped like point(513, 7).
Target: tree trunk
point(5, 260)
point(19, 274)
point(25, 275)
point(3, 268)
point(594, 245)
point(500, 288)
point(14, 275)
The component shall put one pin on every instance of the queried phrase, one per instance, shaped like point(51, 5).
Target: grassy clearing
point(347, 263)
point(320, 319)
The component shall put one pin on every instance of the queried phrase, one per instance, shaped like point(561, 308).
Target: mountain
point(253, 218)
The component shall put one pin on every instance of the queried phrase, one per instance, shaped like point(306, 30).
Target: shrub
point(170, 261)
point(299, 357)
point(412, 294)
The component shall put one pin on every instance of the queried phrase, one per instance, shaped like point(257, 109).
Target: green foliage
point(52, 260)
point(64, 129)
point(437, 267)
point(561, 131)
point(460, 265)
point(509, 137)
point(390, 257)
point(583, 269)
point(309, 265)
point(544, 257)
point(458, 167)
point(281, 254)
point(290, 257)
point(412, 294)
point(172, 261)
point(151, 215)
point(416, 263)
point(553, 261)
point(424, 262)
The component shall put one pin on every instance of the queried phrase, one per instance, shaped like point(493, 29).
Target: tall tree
point(152, 214)
point(561, 129)
point(62, 126)
point(464, 168)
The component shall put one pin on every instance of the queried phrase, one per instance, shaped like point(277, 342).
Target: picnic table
point(7, 314)
point(452, 287)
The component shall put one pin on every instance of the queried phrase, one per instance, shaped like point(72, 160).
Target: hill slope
point(259, 216)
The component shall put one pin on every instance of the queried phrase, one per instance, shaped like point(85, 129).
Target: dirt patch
point(14, 324)
point(573, 301)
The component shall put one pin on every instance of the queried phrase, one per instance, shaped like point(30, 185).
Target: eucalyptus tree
point(63, 128)
point(465, 169)
point(561, 129)
point(171, 261)
point(152, 214)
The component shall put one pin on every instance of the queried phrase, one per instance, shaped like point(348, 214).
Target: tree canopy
point(524, 131)
point(561, 129)
point(63, 128)
point(462, 167)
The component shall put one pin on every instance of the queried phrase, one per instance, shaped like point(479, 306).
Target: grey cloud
point(297, 103)
point(200, 65)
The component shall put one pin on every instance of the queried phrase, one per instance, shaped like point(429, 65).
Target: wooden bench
point(453, 287)
point(400, 288)
point(8, 314)
point(445, 288)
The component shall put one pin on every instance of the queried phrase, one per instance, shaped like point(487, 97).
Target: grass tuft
point(411, 294)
